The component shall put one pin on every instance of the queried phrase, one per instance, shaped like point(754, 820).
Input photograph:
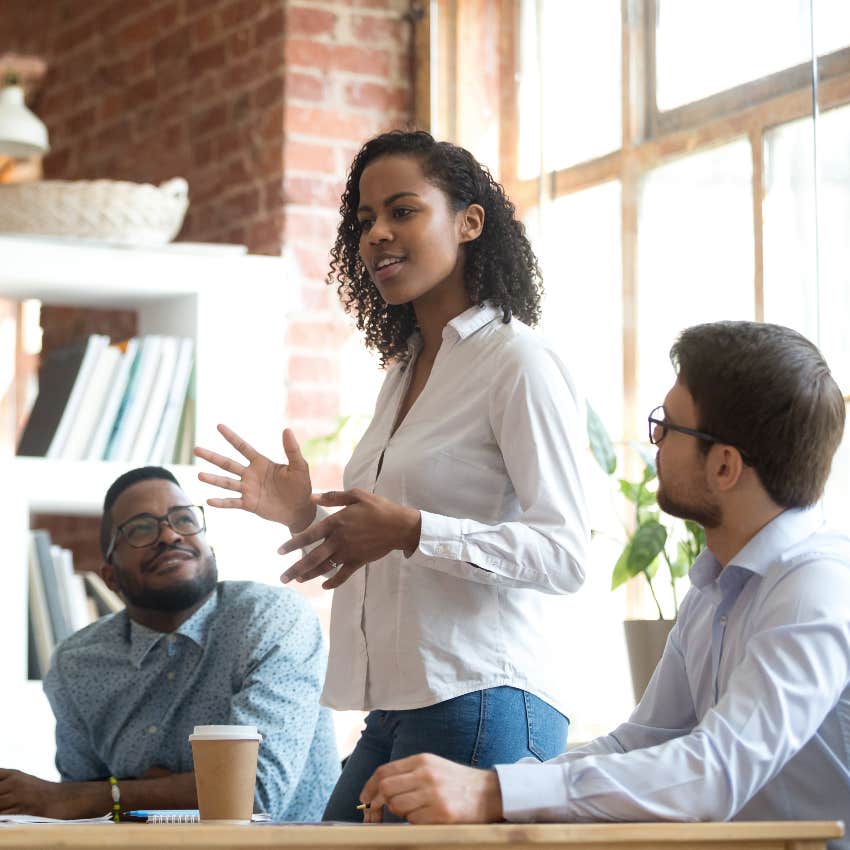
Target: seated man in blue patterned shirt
point(128, 689)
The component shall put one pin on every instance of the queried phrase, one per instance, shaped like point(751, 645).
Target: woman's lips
point(388, 272)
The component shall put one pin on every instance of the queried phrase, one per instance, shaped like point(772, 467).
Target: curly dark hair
point(500, 265)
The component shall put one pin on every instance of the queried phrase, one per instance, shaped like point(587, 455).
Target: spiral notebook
point(179, 816)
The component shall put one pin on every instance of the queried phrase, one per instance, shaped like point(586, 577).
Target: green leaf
point(637, 494)
point(621, 574)
point(679, 568)
point(600, 443)
point(646, 545)
point(652, 569)
point(697, 532)
point(629, 490)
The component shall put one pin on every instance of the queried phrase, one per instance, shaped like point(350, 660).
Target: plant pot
point(645, 641)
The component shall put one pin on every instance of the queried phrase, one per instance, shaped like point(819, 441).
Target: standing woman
point(462, 505)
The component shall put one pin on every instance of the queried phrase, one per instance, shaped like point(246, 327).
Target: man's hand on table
point(23, 794)
point(430, 789)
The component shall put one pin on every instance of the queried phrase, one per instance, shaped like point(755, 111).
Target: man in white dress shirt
point(748, 713)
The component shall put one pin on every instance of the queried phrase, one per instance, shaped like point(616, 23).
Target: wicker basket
point(106, 210)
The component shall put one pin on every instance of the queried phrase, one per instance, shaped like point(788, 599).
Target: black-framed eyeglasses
point(659, 426)
point(143, 529)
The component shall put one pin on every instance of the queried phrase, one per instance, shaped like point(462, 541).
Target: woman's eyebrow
point(387, 201)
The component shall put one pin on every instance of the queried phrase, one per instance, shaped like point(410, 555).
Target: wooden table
point(786, 835)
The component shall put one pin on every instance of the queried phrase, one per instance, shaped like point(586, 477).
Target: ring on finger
point(334, 564)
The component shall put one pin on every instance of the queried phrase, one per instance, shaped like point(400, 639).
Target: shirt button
point(169, 675)
point(151, 730)
point(172, 638)
point(723, 620)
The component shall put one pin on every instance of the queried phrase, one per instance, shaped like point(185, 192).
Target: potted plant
point(653, 542)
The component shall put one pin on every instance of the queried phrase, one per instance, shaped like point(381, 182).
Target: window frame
point(650, 137)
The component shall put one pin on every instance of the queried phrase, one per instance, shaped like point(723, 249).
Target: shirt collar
point(765, 548)
point(460, 327)
point(471, 319)
point(777, 537)
point(143, 639)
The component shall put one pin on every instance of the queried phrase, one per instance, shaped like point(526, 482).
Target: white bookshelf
point(235, 307)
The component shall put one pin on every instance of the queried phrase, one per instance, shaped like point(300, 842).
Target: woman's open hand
point(367, 528)
point(275, 491)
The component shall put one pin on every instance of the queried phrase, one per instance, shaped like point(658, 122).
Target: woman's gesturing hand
point(367, 528)
point(275, 491)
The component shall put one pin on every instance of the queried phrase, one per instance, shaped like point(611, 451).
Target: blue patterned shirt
point(126, 698)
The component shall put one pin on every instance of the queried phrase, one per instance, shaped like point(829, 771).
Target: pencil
point(361, 806)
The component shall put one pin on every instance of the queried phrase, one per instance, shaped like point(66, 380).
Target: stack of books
point(130, 402)
point(60, 601)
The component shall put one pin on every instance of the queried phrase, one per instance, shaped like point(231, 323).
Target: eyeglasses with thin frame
point(658, 428)
point(143, 530)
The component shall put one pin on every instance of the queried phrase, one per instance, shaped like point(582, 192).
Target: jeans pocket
point(547, 728)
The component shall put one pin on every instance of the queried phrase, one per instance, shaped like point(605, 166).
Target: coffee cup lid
point(228, 733)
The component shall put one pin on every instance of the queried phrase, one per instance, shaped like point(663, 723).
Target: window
point(673, 166)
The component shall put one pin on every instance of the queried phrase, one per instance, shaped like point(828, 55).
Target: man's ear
point(724, 467)
point(107, 573)
point(471, 222)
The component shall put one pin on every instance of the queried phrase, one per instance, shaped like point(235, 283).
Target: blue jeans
point(481, 729)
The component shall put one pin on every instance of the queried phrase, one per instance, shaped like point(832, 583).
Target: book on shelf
point(61, 601)
point(56, 380)
point(112, 405)
point(105, 600)
point(39, 617)
point(156, 402)
point(124, 402)
point(166, 437)
point(95, 343)
point(92, 405)
point(72, 587)
point(185, 441)
point(135, 399)
point(56, 607)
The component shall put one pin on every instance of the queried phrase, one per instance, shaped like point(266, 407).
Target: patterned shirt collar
point(143, 639)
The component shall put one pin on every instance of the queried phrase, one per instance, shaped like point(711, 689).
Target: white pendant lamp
point(22, 134)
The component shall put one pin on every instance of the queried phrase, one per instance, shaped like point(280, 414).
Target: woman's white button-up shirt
point(489, 453)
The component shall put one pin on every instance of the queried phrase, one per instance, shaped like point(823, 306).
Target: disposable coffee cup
point(225, 771)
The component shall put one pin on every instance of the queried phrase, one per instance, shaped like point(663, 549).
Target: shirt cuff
point(533, 792)
point(440, 536)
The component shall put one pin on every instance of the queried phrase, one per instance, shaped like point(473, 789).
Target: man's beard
point(178, 597)
point(707, 515)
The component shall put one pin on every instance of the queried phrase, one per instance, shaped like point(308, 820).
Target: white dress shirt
point(748, 713)
point(489, 454)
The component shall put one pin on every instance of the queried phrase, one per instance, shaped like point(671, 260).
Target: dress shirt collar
point(765, 548)
point(471, 319)
point(143, 639)
point(460, 327)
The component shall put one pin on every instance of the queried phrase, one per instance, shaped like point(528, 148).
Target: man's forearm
point(90, 799)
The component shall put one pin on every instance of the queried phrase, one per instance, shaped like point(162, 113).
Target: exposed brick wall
point(260, 104)
point(348, 77)
point(148, 90)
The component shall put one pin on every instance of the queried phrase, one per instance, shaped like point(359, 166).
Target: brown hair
point(768, 391)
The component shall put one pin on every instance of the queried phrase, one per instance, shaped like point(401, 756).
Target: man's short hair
point(768, 391)
point(118, 486)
